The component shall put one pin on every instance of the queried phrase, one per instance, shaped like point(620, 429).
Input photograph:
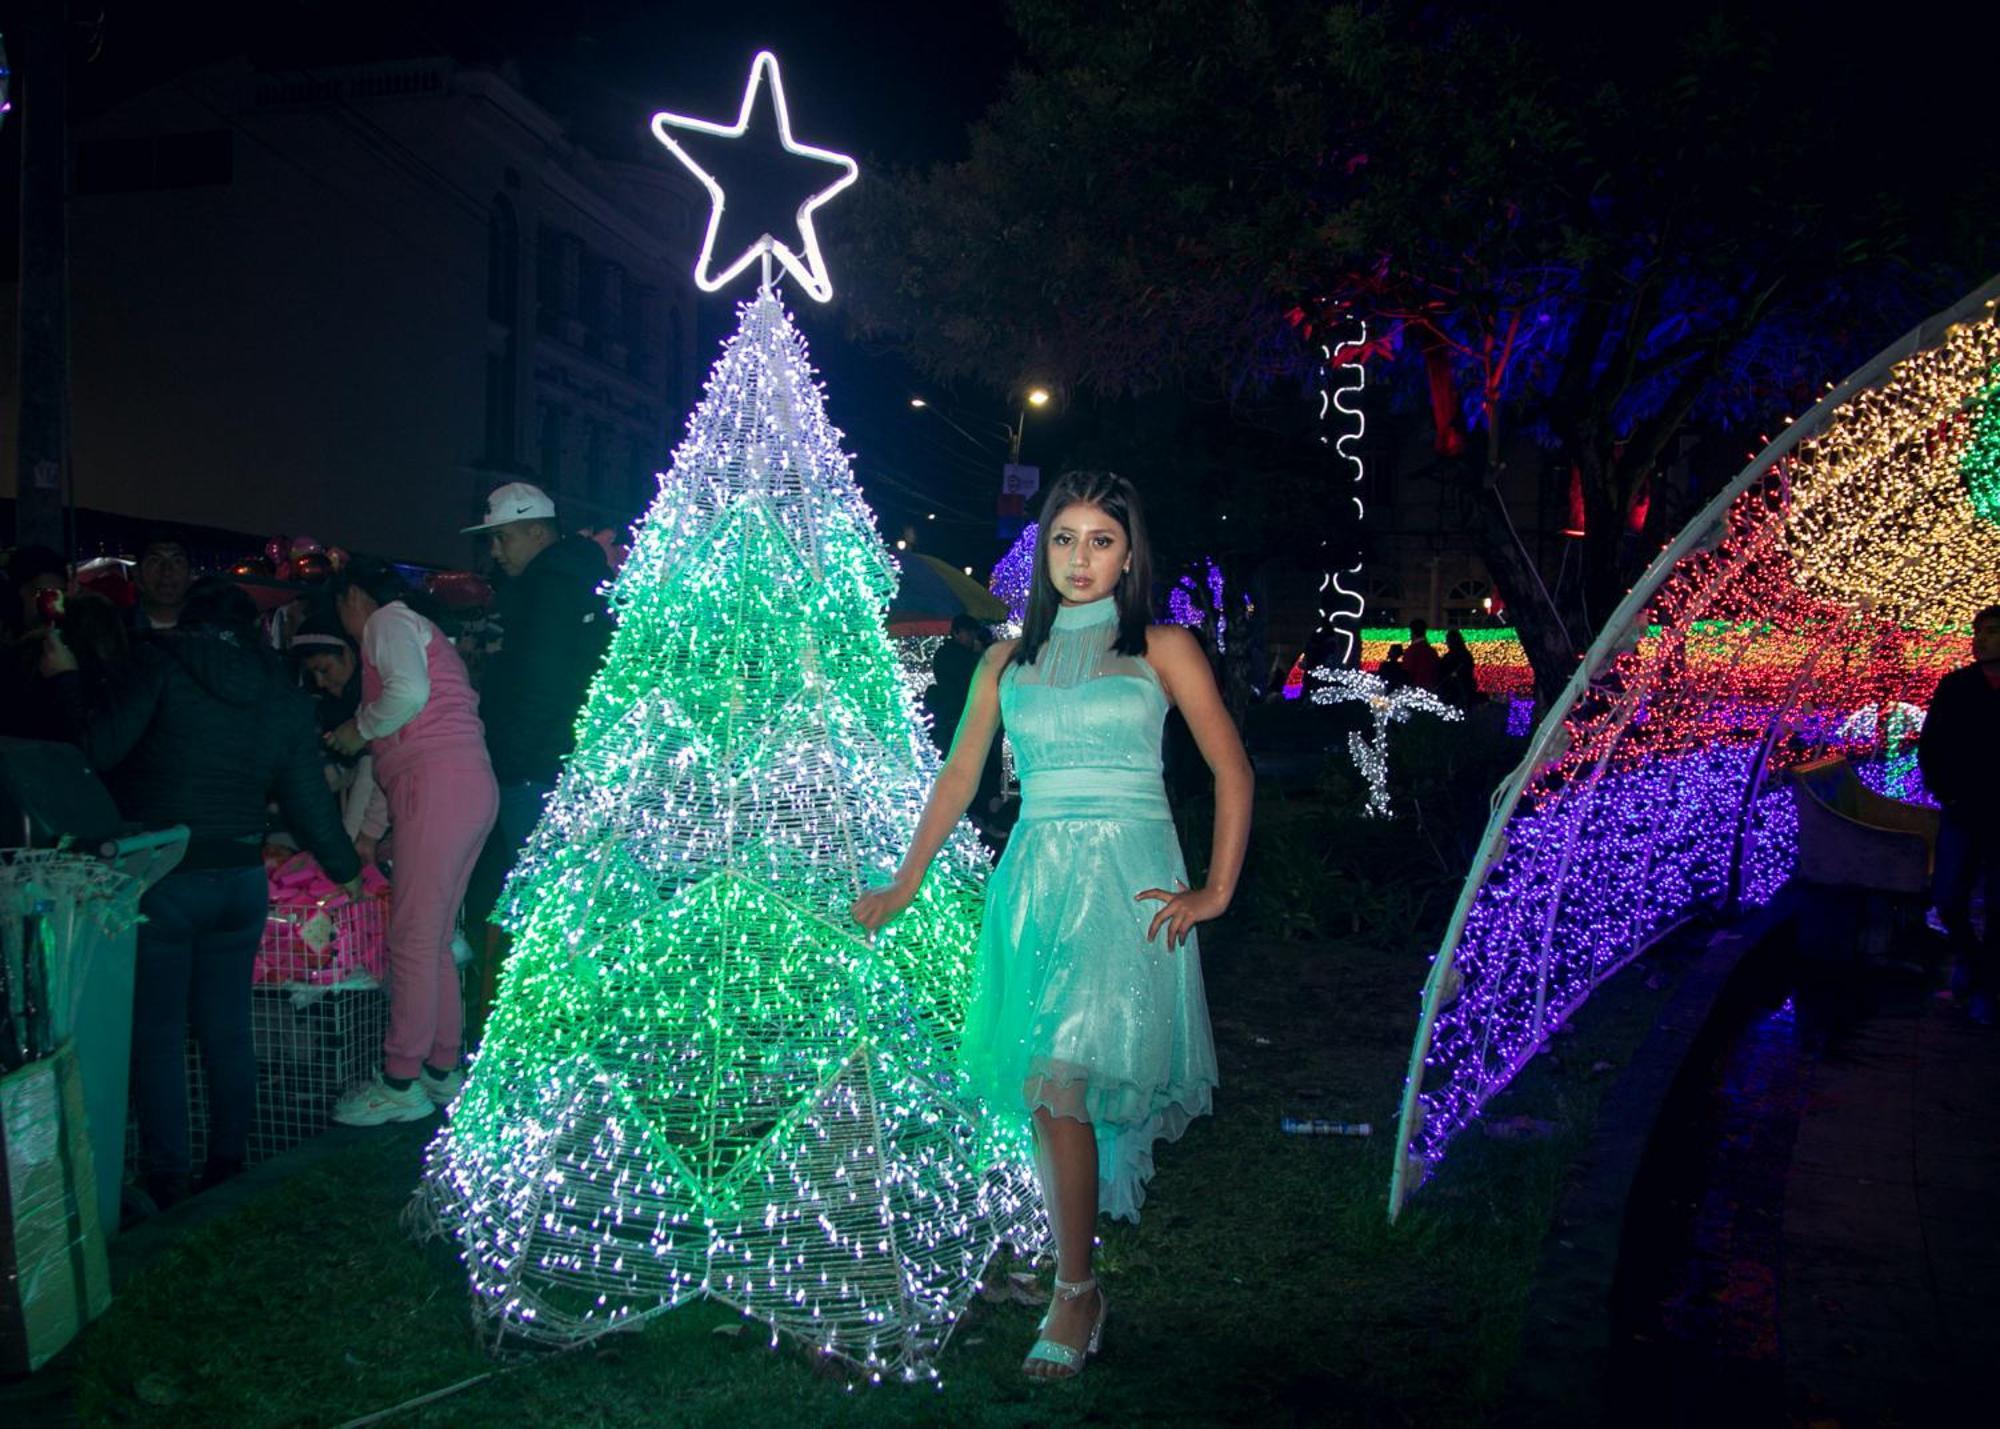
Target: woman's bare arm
point(950, 796)
point(1190, 684)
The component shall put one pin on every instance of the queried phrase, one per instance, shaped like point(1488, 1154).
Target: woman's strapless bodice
point(1085, 723)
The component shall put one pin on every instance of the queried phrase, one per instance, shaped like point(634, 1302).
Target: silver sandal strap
point(1056, 1354)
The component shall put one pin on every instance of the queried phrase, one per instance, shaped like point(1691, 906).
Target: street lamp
point(1036, 397)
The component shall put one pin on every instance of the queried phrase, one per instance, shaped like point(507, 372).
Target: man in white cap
point(554, 626)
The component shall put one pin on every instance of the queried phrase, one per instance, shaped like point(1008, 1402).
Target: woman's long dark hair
point(382, 583)
point(216, 605)
point(1114, 496)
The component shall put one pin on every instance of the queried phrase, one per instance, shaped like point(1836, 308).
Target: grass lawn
point(1264, 1286)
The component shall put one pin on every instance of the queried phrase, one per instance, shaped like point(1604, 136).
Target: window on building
point(594, 464)
point(589, 289)
point(503, 263)
point(550, 443)
point(642, 344)
point(569, 274)
point(613, 314)
point(639, 471)
point(548, 277)
point(500, 406)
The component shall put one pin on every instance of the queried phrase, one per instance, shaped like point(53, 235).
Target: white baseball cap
point(516, 501)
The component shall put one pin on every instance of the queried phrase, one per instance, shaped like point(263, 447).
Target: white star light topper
point(809, 267)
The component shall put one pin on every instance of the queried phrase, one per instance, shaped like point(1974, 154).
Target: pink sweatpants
point(440, 814)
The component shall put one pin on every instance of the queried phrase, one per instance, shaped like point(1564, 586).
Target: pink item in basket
point(314, 933)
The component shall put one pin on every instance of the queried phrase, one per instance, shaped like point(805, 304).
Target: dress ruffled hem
point(1128, 1120)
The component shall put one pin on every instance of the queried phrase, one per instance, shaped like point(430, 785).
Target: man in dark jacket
point(554, 627)
point(1960, 757)
point(952, 670)
point(201, 730)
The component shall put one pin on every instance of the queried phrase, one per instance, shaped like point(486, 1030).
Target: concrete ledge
point(1561, 1376)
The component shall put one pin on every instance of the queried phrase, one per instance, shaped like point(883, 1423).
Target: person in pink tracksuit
point(420, 717)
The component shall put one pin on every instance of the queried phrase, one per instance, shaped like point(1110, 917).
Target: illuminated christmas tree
point(700, 1079)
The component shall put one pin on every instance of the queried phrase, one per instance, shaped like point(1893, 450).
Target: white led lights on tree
point(700, 1080)
point(804, 263)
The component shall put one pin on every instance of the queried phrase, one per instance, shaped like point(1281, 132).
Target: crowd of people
point(1453, 676)
point(351, 727)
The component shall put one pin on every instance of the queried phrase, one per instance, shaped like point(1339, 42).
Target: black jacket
point(1960, 749)
point(953, 669)
point(201, 731)
point(553, 631)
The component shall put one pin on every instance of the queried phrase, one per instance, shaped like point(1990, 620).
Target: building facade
point(347, 303)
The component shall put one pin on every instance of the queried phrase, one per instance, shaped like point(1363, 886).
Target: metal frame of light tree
point(1830, 573)
point(700, 1080)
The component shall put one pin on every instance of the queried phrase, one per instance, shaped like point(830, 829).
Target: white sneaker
point(373, 1102)
point(442, 1090)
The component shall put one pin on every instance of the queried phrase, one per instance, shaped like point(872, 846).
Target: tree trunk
point(1546, 640)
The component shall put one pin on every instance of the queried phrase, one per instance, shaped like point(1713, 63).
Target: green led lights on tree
point(700, 1081)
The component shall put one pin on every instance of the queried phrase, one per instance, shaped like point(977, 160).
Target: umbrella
point(931, 593)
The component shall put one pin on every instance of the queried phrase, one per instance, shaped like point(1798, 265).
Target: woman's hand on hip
point(1181, 910)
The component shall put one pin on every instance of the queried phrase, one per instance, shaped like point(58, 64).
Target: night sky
point(896, 86)
point(895, 83)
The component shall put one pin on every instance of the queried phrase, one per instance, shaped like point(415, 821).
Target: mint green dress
point(1074, 1010)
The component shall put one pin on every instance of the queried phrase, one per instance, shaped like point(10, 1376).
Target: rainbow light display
point(1501, 663)
point(1841, 569)
point(701, 1080)
point(1503, 667)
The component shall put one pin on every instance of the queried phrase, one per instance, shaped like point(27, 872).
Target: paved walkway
point(1812, 1240)
point(1890, 1275)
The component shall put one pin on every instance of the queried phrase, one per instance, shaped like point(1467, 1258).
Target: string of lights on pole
point(1342, 609)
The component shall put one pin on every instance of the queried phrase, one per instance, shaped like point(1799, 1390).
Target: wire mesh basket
point(324, 942)
point(311, 1046)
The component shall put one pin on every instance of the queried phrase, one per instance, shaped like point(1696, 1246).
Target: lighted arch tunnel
point(1839, 570)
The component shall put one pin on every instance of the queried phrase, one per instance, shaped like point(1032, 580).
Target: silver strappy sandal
point(1069, 1361)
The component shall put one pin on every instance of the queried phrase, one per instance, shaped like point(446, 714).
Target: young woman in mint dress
point(1089, 1016)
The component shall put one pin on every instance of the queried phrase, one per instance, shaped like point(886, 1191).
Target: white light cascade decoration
point(1342, 604)
point(701, 1081)
point(1387, 706)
